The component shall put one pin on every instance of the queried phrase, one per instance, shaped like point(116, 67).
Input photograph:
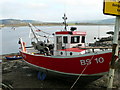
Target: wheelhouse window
point(83, 39)
point(65, 39)
point(75, 39)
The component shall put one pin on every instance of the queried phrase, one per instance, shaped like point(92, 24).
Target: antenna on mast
point(65, 23)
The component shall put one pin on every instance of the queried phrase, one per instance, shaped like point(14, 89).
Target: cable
point(81, 73)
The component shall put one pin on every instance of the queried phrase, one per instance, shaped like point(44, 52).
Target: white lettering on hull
point(89, 61)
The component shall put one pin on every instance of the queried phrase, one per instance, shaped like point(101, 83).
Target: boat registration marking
point(89, 61)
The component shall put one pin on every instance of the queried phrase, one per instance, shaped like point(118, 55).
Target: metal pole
point(114, 52)
point(65, 23)
point(30, 25)
point(22, 46)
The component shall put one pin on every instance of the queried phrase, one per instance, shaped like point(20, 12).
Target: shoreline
point(50, 24)
point(9, 54)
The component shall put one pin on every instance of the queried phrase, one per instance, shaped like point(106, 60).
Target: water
point(10, 37)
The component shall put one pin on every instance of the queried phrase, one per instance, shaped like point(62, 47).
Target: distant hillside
point(104, 21)
point(17, 21)
point(31, 21)
point(8, 22)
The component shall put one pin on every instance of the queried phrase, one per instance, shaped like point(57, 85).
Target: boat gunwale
point(74, 56)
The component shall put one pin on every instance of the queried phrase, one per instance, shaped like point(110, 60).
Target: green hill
point(17, 21)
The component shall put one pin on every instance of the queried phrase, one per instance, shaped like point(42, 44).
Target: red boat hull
point(87, 65)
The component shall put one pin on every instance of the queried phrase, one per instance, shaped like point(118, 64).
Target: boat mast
point(65, 23)
point(30, 25)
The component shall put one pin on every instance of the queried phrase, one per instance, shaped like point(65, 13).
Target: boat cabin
point(67, 41)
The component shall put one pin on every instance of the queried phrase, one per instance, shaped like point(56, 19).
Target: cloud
point(83, 9)
point(52, 10)
point(36, 5)
point(79, 2)
point(20, 8)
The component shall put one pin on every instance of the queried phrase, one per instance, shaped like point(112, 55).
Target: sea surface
point(9, 36)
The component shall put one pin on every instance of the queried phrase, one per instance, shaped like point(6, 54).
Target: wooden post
point(114, 52)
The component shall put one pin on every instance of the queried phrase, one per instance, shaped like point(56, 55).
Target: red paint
point(72, 32)
point(73, 50)
point(38, 30)
point(71, 65)
point(78, 33)
point(63, 32)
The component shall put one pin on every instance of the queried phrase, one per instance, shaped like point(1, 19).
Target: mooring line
point(81, 73)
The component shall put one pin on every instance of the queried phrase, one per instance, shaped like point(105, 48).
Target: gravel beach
point(16, 74)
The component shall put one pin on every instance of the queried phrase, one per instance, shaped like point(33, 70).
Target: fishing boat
point(68, 55)
point(16, 57)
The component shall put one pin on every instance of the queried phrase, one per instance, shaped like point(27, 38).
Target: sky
point(52, 10)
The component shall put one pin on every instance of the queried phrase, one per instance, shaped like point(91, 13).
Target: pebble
point(25, 67)
point(29, 75)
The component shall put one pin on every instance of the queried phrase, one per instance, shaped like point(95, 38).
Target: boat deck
point(32, 50)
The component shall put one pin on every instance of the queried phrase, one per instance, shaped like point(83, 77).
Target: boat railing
point(96, 49)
